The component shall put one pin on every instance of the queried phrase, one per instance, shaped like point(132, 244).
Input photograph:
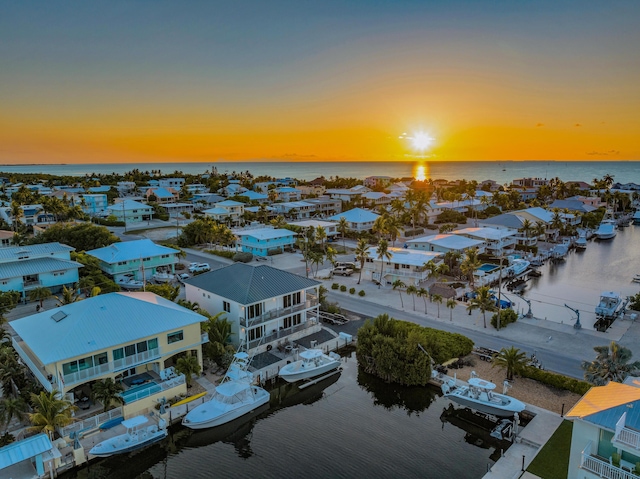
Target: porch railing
point(602, 467)
point(46, 382)
point(626, 436)
point(91, 422)
point(145, 393)
point(280, 334)
point(279, 313)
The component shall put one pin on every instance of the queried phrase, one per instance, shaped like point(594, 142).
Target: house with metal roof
point(265, 241)
point(408, 265)
point(49, 265)
point(330, 228)
point(28, 458)
point(162, 195)
point(295, 209)
point(443, 243)
point(347, 194)
point(288, 193)
point(6, 238)
point(141, 258)
point(130, 211)
point(227, 211)
point(498, 242)
point(357, 218)
point(255, 196)
point(606, 432)
point(206, 199)
point(325, 206)
point(115, 335)
point(92, 204)
point(266, 306)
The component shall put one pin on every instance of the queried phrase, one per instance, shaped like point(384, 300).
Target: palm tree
point(107, 391)
point(437, 298)
point(470, 263)
point(69, 295)
point(398, 284)
point(39, 294)
point(331, 255)
point(343, 228)
point(451, 304)
point(611, 364)
point(512, 359)
point(12, 407)
point(321, 236)
point(16, 213)
point(383, 253)
point(483, 302)
point(412, 291)
point(361, 253)
point(424, 294)
point(50, 413)
point(188, 365)
point(526, 228)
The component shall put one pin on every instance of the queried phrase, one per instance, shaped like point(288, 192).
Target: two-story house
point(130, 211)
point(443, 243)
point(358, 219)
point(288, 193)
point(175, 183)
point(92, 204)
point(227, 211)
point(295, 210)
point(347, 194)
point(498, 242)
point(140, 258)
point(265, 241)
point(407, 265)
point(265, 306)
point(115, 335)
point(49, 265)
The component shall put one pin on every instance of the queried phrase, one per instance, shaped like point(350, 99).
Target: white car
point(199, 267)
point(182, 277)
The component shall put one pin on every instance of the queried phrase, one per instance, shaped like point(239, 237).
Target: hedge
point(556, 380)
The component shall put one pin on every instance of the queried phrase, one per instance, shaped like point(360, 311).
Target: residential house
point(266, 306)
point(116, 336)
point(535, 183)
point(358, 219)
point(407, 265)
point(24, 268)
point(255, 196)
point(130, 211)
point(92, 204)
point(234, 188)
point(498, 242)
point(325, 206)
point(311, 190)
point(295, 210)
point(175, 183)
point(99, 189)
point(288, 193)
point(443, 243)
point(373, 181)
point(374, 199)
point(605, 442)
point(580, 185)
point(347, 194)
point(512, 222)
point(126, 187)
point(128, 257)
point(491, 185)
point(330, 228)
point(176, 209)
point(206, 199)
point(162, 195)
point(265, 241)
point(227, 211)
point(196, 188)
point(6, 238)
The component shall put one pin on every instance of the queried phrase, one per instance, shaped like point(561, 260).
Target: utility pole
point(124, 217)
point(500, 294)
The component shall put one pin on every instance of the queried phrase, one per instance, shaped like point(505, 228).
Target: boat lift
point(577, 325)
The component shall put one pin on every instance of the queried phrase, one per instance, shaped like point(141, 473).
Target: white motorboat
point(163, 277)
point(234, 397)
point(518, 266)
point(138, 435)
point(129, 282)
point(312, 363)
point(581, 242)
point(606, 230)
point(478, 395)
point(609, 305)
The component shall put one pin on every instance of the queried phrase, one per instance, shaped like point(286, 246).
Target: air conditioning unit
point(314, 343)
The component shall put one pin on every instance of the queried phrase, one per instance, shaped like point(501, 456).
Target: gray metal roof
point(33, 250)
point(247, 284)
point(99, 323)
point(36, 266)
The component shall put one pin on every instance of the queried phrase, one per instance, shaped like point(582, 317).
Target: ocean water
point(500, 171)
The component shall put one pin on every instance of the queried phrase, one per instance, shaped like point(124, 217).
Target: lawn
point(552, 462)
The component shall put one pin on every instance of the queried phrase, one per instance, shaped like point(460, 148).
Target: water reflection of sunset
point(421, 171)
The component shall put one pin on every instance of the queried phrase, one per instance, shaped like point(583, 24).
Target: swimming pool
point(488, 268)
point(139, 392)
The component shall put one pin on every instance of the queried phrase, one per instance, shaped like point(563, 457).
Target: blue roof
point(356, 215)
point(14, 253)
point(25, 449)
point(609, 417)
point(128, 250)
point(99, 189)
point(36, 266)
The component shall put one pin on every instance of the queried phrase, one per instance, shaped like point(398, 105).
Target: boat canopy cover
point(609, 294)
point(231, 388)
point(134, 421)
point(311, 354)
point(481, 383)
point(241, 355)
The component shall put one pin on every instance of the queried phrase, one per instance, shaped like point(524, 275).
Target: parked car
point(343, 270)
point(182, 277)
point(345, 264)
point(199, 267)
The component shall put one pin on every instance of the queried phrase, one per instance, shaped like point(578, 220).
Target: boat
point(518, 266)
point(606, 230)
point(163, 277)
point(312, 363)
point(129, 282)
point(636, 217)
point(581, 242)
point(478, 395)
point(636, 278)
point(610, 303)
point(138, 435)
point(234, 397)
point(189, 399)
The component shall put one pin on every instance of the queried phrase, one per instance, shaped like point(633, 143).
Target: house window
point(254, 310)
point(165, 256)
point(297, 319)
point(175, 337)
point(256, 333)
point(406, 266)
point(100, 359)
point(296, 297)
point(226, 306)
point(121, 263)
point(146, 259)
point(286, 301)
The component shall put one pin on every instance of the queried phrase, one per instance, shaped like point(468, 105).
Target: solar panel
point(59, 316)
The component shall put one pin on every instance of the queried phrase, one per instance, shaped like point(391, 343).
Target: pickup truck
point(342, 270)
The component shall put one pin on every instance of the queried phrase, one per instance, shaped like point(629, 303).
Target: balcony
point(603, 468)
point(31, 363)
point(280, 334)
point(279, 313)
point(626, 437)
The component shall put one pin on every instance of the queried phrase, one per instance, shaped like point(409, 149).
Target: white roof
point(406, 256)
point(447, 241)
point(374, 195)
point(356, 215)
point(540, 213)
point(486, 233)
point(128, 250)
point(267, 233)
point(294, 204)
point(99, 323)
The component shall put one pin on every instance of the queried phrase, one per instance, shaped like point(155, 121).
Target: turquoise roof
point(129, 250)
point(609, 417)
point(25, 449)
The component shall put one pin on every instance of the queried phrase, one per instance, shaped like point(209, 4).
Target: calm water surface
point(352, 425)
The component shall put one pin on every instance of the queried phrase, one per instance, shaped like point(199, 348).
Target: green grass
point(552, 462)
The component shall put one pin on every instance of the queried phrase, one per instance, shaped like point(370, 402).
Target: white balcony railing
point(311, 302)
point(46, 382)
point(626, 436)
point(601, 467)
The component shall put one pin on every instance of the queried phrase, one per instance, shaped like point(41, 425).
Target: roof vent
point(59, 316)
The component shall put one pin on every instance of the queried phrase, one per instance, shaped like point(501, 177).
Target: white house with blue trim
point(265, 241)
point(227, 211)
point(94, 204)
point(24, 268)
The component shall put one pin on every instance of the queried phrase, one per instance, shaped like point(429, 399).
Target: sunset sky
point(115, 81)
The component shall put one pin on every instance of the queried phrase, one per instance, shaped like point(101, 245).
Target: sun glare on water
point(420, 172)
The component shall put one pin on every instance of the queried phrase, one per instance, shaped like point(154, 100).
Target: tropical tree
point(12, 407)
point(8, 301)
point(424, 294)
point(383, 253)
point(16, 213)
point(166, 290)
point(512, 359)
point(343, 228)
point(361, 253)
point(69, 295)
point(611, 364)
point(40, 294)
point(331, 255)
point(51, 412)
point(483, 302)
point(107, 392)
point(412, 291)
point(399, 284)
point(437, 298)
point(321, 236)
point(526, 228)
point(188, 365)
point(469, 264)
point(451, 304)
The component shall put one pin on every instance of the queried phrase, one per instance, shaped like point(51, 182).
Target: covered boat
point(606, 230)
point(312, 363)
point(479, 396)
point(138, 435)
point(609, 305)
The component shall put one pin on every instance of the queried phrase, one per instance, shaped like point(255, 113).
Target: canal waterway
point(351, 425)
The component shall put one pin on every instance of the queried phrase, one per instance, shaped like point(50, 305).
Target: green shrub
point(242, 257)
point(634, 302)
point(556, 380)
point(343, 288)
point(362, 293)
point(335, 286)
point(221, 253)
point(451, 216)
point(110, 221)
point(352, 290)
point(507, 316)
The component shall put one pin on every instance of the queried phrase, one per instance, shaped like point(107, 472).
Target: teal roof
point(25, 449)
point(36, 266)
point(609, 417)
point(13, 253)
point(245, 284)
point(129, 250)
